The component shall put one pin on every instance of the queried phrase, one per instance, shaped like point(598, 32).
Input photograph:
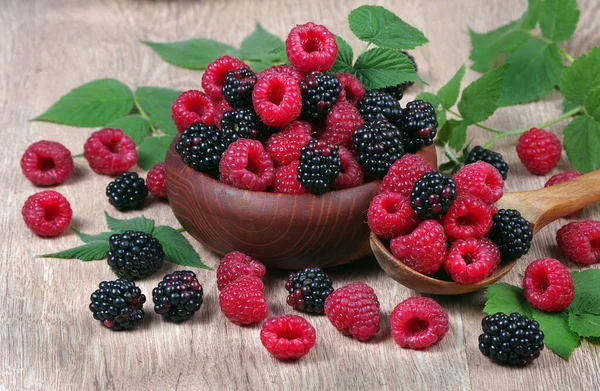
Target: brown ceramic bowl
point(282, 231)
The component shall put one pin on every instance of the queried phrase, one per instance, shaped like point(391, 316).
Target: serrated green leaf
point(568, 105)
point(378, 68)
point(92, 251)
point(177, 248)
point(429, 97)
point(153, 150)
point(581, 77)
point(259, 66)
point(585, 303)
point(136, 224)
point(440, 114)
point(91, 105)
point(505, 298)
point(531, 17)
point(194, 53)
point(445, 131)
point(448, 94)
point(582, 143)
point(156, 102)
point(592, 104)
point(585, 325)
point(558, 19)
point(448, 166)
point(557, 335)
point(135, 126)
point(458, 136)
point(259, 46)
point(480, 99)
point(487, 48)
point(345, 57)
point(92, 238)
point(586, 281)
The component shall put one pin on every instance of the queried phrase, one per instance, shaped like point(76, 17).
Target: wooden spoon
point(540, 207)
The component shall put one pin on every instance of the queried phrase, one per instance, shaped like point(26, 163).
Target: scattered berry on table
point(391, 215)
point(377, 144)
point(320, 91)
point(134, 254)
point(418, 124)
point(238, 86)
point(480, 179)
point(190, 107)
point(354, 310)
point(311, 47)
point(214, 76)
point(418, 322)
point(308, 289)
point(235, 265)
point(539, 151)
point(548, 285)
point(563, 177)
point(352, 88)
point(286, 180)
point(127, 192)
point(472, 260)
point(178, 296)
point(110, 152)
point(242, 123)
point(432, 195)
point(282, 69)
point(351, 174)
point(47, 213)
point(221, 107)
point(277, 99)
point(288, 337)
point(118, 304)
point(201, 147)
point(468, 217)
point(341, 122)
point(511, 233)
point(478, 153)
point(284, 146)
point(404, 173)
point(397, 91)
point(580, 241)
point(376, 105)
point(47, 163)
point(243, 301)
point(156, 181)
point(246, 165)
point(424, 249)
point(319, 167)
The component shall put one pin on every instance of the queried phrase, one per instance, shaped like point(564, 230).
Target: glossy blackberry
point(308, 290)
point(376, 105)
point(243, 123)
point(418, 124)
point(178, 296)
point(201, 147)
point(238, 87)
point(397, 91)
point(319, 92)
point(511, 233)
point(319, 167)
point(378, 144)
point(511, 340)
point(118, 304)
point(488, 156)
point(432, 195)
point(134, 254)
point(127, 192)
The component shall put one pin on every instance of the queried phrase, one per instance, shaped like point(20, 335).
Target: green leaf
point(136, 224)
point(135, 126)
point(557, 335)
point(558, 19)
point(91, 251)
point(91, 105)
point(378, 68)
point(448, 94)
point(592, 104)
point(581, 77)
point(429, 97)
point(194, 53)
point(92, 238)
point(585, 325)
point(568, 105)
point(156, 102)
point(345, 57)
point(259, 46)
point(153, 150)
point(448, 166)
point(582, 143)
point(586, 281)
point(259, 66)
point(505, 298)
point(585, 303)
point(458, 136)
point(480, 99)
point(487, 48)
point(445, 132)
point(177, 248)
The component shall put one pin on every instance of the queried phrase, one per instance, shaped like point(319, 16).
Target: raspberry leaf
point(487, 48)
point(259, 46)
point(586, 281)
point(153, 150)
point(91, 238)
point(448, 94)
point(557, 335)
point(194, 53)
point(345, 57)
point(581, 77)
point(92, 251)
point(136, 224)
point(592, 104)
point(480, 99)
point(568, 105)
point(585, 325)
point(582, 143)
point(505, 298)
point(156, 103)
point(379, 68)
point(177, 248)
point(135, 126)
point(558, 19)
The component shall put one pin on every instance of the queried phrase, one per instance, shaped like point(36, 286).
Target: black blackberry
point(397, 91)
point(201, 147)
point(376, 105)
point(134, 254)
point(243, 123)
point(432, 195)
point(118, 304)
point(511, 340)
point(127, 192)
point(308, 289)
point(319, 167)
point(378, 144)
point(238, 87)
point(319, 91)
point(178, 296)
point(494, 158)
point(511, 233)
point(418, 124)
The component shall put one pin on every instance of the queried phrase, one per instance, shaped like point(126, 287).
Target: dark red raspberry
point(277, 99)
point(580, 241)
point(562, 177)
point(235, 265)
point(351, 174)
point(354, 310)
point(539, 151)
point(282, 69)
point(341, 122)
point(472, 260)
point(548, 285)
point(390, 215)
point(311, 47)
point(480, 179)
point(284, 146)
point(47, 213)
point(110, 152)
point(288, 337)
point(404, 173)
point(221, 107)
point(156, 181)
point(47, 163)
point(423, 250)
point(468, 217)
point(286, 180)
point(243, 301)
point(215, 73)
point(246, 165)
point(190, 107)
point(418, 322)
point(352, 88)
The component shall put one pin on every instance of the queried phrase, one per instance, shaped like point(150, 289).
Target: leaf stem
point(566, 55)
point(562, 51)
point(78, 155)
point(364, 49)
point(450, 155)
point(180, 229)
point(145, 116)
point(477, 124)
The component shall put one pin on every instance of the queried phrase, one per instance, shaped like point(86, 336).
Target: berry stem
point(78, 155)
point(145, 116)
point(180, 229)
point(450, 155)
point(477, 124)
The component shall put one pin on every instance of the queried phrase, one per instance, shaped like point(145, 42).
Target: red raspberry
point(539, 150)
point(354, 310)
point(418, 322)
point(351, 174)
point(235, 265)
point(277, 100)
point(548, 285)
point(404, 173)
point(352, 88)
point(423, 250)
point(562, 177)
point(284, 146)
point(190, 107)
point(215, 73)
point(341, 122)
point(282, 69)
point(156, 181)
point(47, 213)
point(47, 163)
point(288, 337)
point(580, 241)
point(286, 180)
point(221, 107)
point(311, 47)
point(472, 260)
point(243, 301)
point(110, 152)
point(246, 165)
point(468, 217)
point(480, 179)
point(390, 215)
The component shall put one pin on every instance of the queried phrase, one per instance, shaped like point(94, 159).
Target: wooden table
point(48, 339)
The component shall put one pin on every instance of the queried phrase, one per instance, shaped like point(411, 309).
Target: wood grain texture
point(48, 339)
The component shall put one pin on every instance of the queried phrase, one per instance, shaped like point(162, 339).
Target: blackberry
point(418, 124)
point(178, 296)
point(127, 192)
point(238, 87)
point(432, 195)
point(378, 144)
point(397, 91)
point(134, 254)
point(319, 91)
point(118, 304)
point(242, 123)
point(308, 289)
point(201, 147)
point(511, 340)
point(319, 167)
point(494, 158)
point(511, 233)
point(376, 105)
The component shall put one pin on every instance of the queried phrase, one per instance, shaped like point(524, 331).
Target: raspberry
point(511, 233)
point(341, 122)
point(190, 107)
point(118, 304)
point(390, 215)
point(134, 254)
point(243, 301)
point(423, 250)
point(548, 285)
point(288, 337)
point(418, 322)
point(354, 310)
point(246, 165)
point(472, 260)
point(432, 195)
point(539, 151)
point(468, 217)
point(480, 179)
point(242, 123)
point(580, 241)
point(47, 163)
point(178, 296)
point(201, 147)
point(110, 152)
point(319, 167)
point(47, 213)
point(397, 91)
point(376, 105)
point(127, 192)
point(418, 124)
point(277, 99)
point(351, 174)
point(156, 181)
point(284, 146)
point(282, 69)
point(214, 76)
point(352, 88)
point(478, 153)
point(221, 107)
point(311, 47)
point(320, 91)
point(378, 144)
point(238, 86)
point(563, 177)
point(308, 289)
point(404, 173)
point(235, 265)
point(286, 180)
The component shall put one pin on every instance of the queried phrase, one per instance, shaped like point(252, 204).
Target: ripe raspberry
point(282, 69)
point(178, 296)
point(511, 233)
point(47, 213)
point(214, 76)
point(390, 215)
point(472, 260)
point(286, 180)
point(246, 165)
point(284, 146)
point(480, 179)
point(418, 322)
point(404, 173)
point(320, 91)
point(468, 217)
point(319, 167)
point(397, 91)
point(352, 88)
point(423, 250)
point(242, 123)
point(190, 107)
point(277, 100)
point(235, 265)
point(156, 181)
point(376, 105)
point(47, 163)
point(308, 289)
point(478, 153)
point(238, 86)
point(221, 107)
point(563, 177)
point(354, 310)
point(432, 195)
point(127, 192)
point(418, 124)
point(351, 174)
point(288, 337)
point(539, 151)
point(580, 241)
point(548, 285)
point(341, 122)
point(201, 147)
point(378, 144)
point(311, 47)
point(243, 301)
point(110, 152)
